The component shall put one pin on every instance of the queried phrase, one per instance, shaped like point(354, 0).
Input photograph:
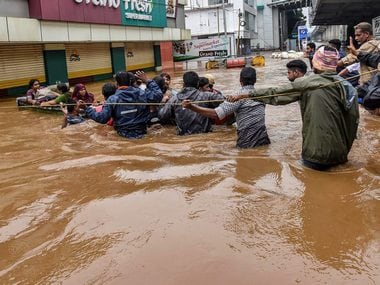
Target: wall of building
point(210, 21)
point(14, 8)
point(179, 20)
point(166, 49)
point(325, 33)
point(207, 21)
point(376, 27)
point(267, 29)
point(276, 27)
point(251, 26)
point(32, 30)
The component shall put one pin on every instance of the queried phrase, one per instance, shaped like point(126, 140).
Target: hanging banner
point(218, 47)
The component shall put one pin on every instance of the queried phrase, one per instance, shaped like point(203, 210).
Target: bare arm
point(352, 48)
point(142, 75)
point(49, 103)
point(64, 122)
point(207, 112)
point(343, 72)
point(31, 101)
point(268, 95)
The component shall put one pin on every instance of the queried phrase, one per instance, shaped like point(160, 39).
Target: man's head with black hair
point(124, 78)
point(190, 79)
point(62, 87)
point(108, 89)
point(204, 84)
point(335, 43)
point(160, 82)
point(247, 76)
point(296, 68)
point(310, 47)
point(167, 78)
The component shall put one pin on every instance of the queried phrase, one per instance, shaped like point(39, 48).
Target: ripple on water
point(173, 172)
point(27, 217)
point(92, 160)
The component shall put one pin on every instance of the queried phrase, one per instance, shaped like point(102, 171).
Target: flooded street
point(82, 205)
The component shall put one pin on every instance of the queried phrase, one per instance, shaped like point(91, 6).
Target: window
point(216, 2)
point(250, 21)
point(251, 3)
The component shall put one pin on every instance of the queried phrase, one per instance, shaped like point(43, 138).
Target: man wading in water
point(250, 115)
point(329, 110)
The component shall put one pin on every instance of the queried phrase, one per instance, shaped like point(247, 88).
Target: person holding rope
point(71, 113)
point(108, 90)
point(364, 37)
point(329, 110)
point(369, 92)
point(187, 121)
point(250, 115)
point(80, 93)
point(129, 106)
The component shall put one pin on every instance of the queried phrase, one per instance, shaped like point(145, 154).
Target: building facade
point(248, 24)
point(85, 40)
point(268, 26)
point(335, 20)
point(323, 34)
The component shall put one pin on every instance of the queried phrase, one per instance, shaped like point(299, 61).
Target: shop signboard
point(143, 13)
point(302, 37)
point(302, 32)
point(217, 47)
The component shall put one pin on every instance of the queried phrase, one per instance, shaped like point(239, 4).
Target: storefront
point(80, 41)
point(20, 63)
point(139, 56)
point(88, 62)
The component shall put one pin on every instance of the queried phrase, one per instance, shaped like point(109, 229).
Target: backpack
point(371, 98)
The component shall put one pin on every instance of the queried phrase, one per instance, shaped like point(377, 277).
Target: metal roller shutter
point(19, 64)
point(88, 59)
point(139, 55)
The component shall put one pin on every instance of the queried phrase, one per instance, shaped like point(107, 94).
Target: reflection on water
point(323, 207)
point(83, 205)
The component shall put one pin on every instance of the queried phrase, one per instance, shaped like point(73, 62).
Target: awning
point(347, 12)
point(289, 4)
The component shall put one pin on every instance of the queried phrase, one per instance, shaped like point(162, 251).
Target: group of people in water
point(357, 66)
point(329, 104)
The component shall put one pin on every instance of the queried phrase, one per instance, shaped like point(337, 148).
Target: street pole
point(225, 25)
point(238, 39)
point(217, 16)
point(224, 19)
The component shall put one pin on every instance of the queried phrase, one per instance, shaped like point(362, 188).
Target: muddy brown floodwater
point(82, 205)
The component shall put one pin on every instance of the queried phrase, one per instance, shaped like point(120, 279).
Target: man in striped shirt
point(250, 115)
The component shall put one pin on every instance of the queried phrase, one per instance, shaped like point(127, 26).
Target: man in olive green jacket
point(329, 110)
